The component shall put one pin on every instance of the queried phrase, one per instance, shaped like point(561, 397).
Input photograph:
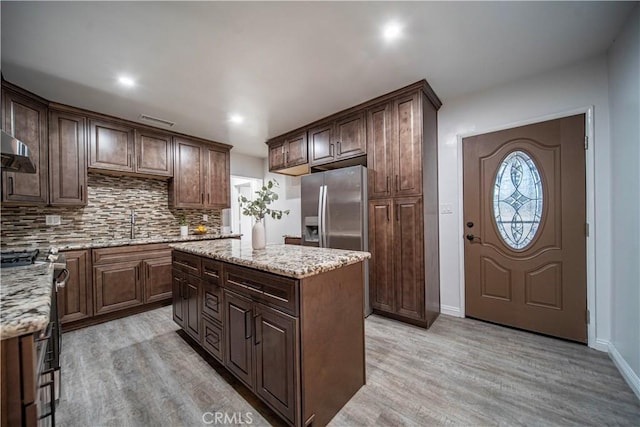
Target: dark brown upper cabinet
point(111, 146)
point(201, 175)
point(394, 155)
point(118, 147)
point(339, 139)
point(67, 159)
point(25, 117)
point(289, 151)
point(154, 153)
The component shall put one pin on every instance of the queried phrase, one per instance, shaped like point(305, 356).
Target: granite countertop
point(25, 299)
point(287, 260)
point(103, 243)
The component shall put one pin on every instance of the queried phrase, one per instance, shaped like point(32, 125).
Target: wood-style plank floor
point(140, 371)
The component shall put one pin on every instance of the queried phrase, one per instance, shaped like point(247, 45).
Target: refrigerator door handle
point(324, 216)
point(320, 213)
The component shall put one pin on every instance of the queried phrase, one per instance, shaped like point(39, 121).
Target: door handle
point(388, 181)
point(10, 185)
point(256, 320)
point(396, 182)
point(81, 192)
point(339, 149)
point(247, 324)
point(470, 237)
point(387, 213)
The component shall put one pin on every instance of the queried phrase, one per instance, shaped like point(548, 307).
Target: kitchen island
point(286, 320)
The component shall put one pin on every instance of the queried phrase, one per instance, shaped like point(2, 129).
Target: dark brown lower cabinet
point(275, 349)
point(178, 297)
point(239, 345)
point(192, 297)
point(117, 286)
point(304, 367)
point(157, 279)
point(75, 298)
point(112, 282)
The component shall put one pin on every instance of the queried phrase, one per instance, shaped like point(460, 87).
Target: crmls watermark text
point(240, 418)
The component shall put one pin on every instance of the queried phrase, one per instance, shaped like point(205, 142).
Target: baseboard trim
point(600, 345)
point(450, 310)
point(627, 373)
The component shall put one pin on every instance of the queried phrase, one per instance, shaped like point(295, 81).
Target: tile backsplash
point(106, 216)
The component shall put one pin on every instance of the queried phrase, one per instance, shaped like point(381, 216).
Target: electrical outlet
point(205, 217)
point(52, 219)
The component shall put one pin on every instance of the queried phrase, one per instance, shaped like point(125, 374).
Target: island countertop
point(286, 260)
point(25, 299)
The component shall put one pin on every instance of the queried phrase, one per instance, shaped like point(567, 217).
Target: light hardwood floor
point(139, 371)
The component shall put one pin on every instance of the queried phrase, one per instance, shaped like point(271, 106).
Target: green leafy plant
point(258, 207)
point(182, 220)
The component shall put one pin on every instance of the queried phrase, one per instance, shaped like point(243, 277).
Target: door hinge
point(586, 142)
point(586, 229)
point(588, 316)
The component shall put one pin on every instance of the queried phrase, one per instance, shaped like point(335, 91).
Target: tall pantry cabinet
point(403, 205)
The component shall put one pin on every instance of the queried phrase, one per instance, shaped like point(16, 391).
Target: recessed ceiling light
point(392, 31)
point(126, 81)
point(236, 118)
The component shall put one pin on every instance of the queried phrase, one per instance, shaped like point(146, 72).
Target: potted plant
point(258, 209)
point(184, 226)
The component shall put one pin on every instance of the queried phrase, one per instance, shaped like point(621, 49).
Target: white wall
point(248, 166)
point(624, 101)
point(558, 91)
point(289, 198)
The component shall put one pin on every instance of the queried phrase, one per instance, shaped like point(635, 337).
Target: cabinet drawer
point(187, 262)
point(212, 338)
point(212, 271)
point(273, 290)
point(130, 253)
point(212, 300)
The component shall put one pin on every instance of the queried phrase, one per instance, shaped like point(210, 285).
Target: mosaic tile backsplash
point(106, 216)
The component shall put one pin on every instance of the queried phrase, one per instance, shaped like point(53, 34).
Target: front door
point(525, 227)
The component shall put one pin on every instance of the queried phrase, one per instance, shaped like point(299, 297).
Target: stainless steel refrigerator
point(334, 212)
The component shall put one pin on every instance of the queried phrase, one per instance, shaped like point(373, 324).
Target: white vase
point(184, 230)
point(258, 238)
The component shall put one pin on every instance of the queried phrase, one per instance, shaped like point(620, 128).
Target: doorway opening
point(245, 186)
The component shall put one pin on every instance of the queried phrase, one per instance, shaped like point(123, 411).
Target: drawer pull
point(275, 296)
point(247, 324)
point(213, 303)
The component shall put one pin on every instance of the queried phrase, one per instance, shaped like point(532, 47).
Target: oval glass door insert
point(517, 199)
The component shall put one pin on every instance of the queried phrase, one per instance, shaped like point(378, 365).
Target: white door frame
point(590, 198)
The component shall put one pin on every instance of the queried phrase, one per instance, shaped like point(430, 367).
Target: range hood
point(15, 155)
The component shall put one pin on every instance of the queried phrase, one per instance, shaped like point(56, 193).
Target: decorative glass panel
point(517, 199)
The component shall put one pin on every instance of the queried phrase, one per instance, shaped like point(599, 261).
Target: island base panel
point(332, 345)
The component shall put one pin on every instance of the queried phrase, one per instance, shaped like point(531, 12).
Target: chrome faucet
point(133, 224)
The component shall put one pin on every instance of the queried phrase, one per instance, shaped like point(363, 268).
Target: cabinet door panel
point(277, 155)
point(178, 297)
point(154, 152)
point(217, 188)
point(408, 146)
point(188, 180)
point(296, 150)
point(276, 349)
point(379, 150)
point(321, 147)
point(409, 259)
point(351, 136)
point(67, 159)
point(26, 120)
point(193, 295)
point(239, 345)
point(74, 299)
point(117, 286)
point(381, 247)
point(157, 279)
point(110, 146)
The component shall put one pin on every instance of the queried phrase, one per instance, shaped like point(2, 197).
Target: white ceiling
point(282, 65)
